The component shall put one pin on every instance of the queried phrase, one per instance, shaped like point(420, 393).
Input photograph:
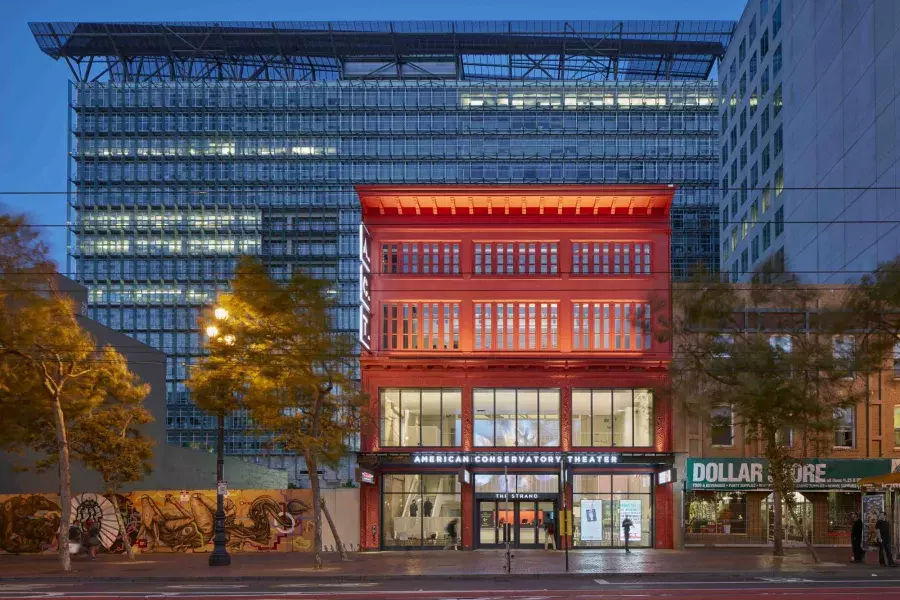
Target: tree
point(727, 357)
point(277, 357)
point(107, 440)
point(872, 307)
point(51, 372)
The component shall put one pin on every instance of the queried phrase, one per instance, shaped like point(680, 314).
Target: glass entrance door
point(523, 523)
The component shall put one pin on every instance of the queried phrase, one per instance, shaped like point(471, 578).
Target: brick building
point(508, 351)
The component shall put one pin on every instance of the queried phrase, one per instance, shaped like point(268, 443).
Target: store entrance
point(522, 523)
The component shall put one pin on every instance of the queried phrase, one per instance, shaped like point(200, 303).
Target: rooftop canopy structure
point(337, 50)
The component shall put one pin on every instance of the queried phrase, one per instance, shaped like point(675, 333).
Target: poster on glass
point(630, 509)
point(592, 520)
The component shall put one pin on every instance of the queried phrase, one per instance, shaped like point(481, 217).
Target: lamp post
point(220, 556)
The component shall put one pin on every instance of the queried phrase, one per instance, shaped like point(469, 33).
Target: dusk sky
point(33, 97)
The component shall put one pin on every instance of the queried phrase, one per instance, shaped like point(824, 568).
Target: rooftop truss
point(315, 51)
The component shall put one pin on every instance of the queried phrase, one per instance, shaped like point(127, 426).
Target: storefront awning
point(886, 480)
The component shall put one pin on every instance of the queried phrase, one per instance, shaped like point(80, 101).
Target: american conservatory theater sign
point(513, 458)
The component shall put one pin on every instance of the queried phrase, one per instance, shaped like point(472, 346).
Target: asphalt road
point(884, 587)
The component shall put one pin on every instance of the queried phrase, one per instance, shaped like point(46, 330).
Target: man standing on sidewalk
point(627, 525)
point(856, 538)
point(885, 542)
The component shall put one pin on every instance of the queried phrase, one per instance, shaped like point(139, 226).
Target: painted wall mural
point(165, 521)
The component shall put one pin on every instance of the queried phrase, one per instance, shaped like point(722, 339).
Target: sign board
point(365, 476)
point(513, 458)
point(753, 473)
point(630, 509)
point(465, 477)
point(667, 476)
point(365, 289)
point(222, 488)
point(565, 522)
point(592, 520)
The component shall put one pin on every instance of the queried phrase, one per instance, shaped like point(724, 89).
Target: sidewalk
point(722, 563)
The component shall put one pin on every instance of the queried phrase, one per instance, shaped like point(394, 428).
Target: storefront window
point(417, 508)
point(516, 418)
point(612, 417)
point(840, 506)
point(716, 513)
point(600, 505)
point(421, 417)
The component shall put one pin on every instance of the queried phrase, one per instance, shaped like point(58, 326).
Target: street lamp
point(220, 556)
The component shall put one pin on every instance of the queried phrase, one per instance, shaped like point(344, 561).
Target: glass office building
point(193, 144)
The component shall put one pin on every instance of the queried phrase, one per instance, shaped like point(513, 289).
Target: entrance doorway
point(795, 532)
point(521, 522)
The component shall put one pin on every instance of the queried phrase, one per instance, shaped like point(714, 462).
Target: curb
point(614, 577)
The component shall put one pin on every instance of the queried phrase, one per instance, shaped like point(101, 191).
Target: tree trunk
point(129, 552)
point(312, 468)
point(65, 485)
point(777, 517)
point(806, 539)
point(334, 531)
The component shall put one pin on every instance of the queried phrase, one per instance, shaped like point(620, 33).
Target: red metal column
point(665, 516)
point(370, 508)
point(468, 524)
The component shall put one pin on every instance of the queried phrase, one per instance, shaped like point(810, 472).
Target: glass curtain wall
point(516, 417)
point(607, 418)
point(600, 504)
point(417, 508)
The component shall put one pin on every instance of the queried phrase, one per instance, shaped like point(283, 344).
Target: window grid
point(593, 258)
point(420, 326)
point(516, 258)
point(591, 323)
point(496, 322)
point(420, 258)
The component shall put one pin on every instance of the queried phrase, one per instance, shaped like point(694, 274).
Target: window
point(415, 258)
point(781, 343)
point(610, 326)
point(843, 348)
point(763, 9)
point(778, 141)
point(721, 426)
point(516, 417)
point(743, 121)
point(734, 272)
point(742, 50)
point(776, 61)
point(764, 121)
point(766, 159)
point(515, 325)
point(725, 218)
point(745, 262)
point(733, 104)
point(417, 508)
point(753, 67)
point(742, 87)
point(843, 428)
point(421, 417)
point(710, 514)
point(420, 325)
point(744, 227)
point(754, 102)
point(779, 221)
point(754, 248)
point(777, 100)
point(764, 44)
point(897, 360)
point(785, 436)
point(610, 258)
point(751, 33)
point(764, 82)
point(754, 175)
point(743, 156)
point(754, 139)
point(897, 427)
point(776, 20)
point(766, 198)
point(516, 258)
point(604, 418)
point(608, 496)
point(779, 181)
point(733, 70)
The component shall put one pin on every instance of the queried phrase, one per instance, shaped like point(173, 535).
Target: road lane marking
point(601, 581)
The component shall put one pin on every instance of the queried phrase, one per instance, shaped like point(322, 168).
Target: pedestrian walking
point(93, 538)
point(75, 534)
point(550, 535)
point(627, 525)
point(884, 541)
point(856, 538)
point(452, 543)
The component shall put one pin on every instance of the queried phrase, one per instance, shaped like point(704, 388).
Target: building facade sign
point(482, 459)
point(753, 473)
point(365, 288)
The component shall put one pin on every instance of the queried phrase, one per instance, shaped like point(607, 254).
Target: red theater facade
point(508, 349)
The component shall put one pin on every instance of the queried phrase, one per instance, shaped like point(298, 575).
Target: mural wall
point(170, 521)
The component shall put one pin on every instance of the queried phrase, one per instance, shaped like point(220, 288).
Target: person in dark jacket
point(452, 540)
point(885, 543)
point(856, 538)
point(626, 526)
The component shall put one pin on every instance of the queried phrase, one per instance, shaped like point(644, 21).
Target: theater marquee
point(480, 459)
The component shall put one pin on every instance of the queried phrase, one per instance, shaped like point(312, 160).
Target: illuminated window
point(506, 258)
point(516, 417)
point(607, 258)
point(604, 418)
point(413, 417)
point(417, 325)
point(610, 326)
